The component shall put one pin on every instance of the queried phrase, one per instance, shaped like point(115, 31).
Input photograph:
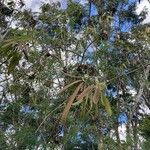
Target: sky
point(144, 4)
point(35, 4)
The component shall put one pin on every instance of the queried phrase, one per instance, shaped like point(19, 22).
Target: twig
point(4, 80)
point(132, 71)
point(47, 117)
point(86, 50)
point(72, 76)
point(140, 92)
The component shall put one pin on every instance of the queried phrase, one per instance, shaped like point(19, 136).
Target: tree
point(66, 76)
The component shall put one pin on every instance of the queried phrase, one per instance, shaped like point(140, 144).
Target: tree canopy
point(70, 78)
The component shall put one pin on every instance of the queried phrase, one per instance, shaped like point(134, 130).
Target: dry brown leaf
point(80, 100)
point(85, 92)
point(96, 95)
point(70, 101)
point(91, 103)
point(67, 86)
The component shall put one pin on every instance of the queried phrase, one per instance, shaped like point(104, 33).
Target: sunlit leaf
point(8, 44)
point(100, 146)
point(106, 104)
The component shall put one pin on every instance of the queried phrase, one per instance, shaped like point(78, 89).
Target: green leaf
point(106, 104)
point(14, 61)
point(8, 44)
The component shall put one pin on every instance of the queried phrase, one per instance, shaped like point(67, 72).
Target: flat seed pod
point(70, 101)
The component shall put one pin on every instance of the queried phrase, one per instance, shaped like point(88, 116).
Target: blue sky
point(35, 4)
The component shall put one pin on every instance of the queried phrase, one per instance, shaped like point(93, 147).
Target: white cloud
point(83, 2)
point(144, 5)
point(35, 4)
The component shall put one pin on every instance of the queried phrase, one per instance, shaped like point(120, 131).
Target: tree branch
point(141, 89)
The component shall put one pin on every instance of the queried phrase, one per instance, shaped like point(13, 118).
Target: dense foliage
point(70, 78)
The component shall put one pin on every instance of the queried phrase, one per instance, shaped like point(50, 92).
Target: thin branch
point(72, 76)
point(5, 80)
point(47, 117)
point(86, 50)
point(132, 71)
point(141, 89)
